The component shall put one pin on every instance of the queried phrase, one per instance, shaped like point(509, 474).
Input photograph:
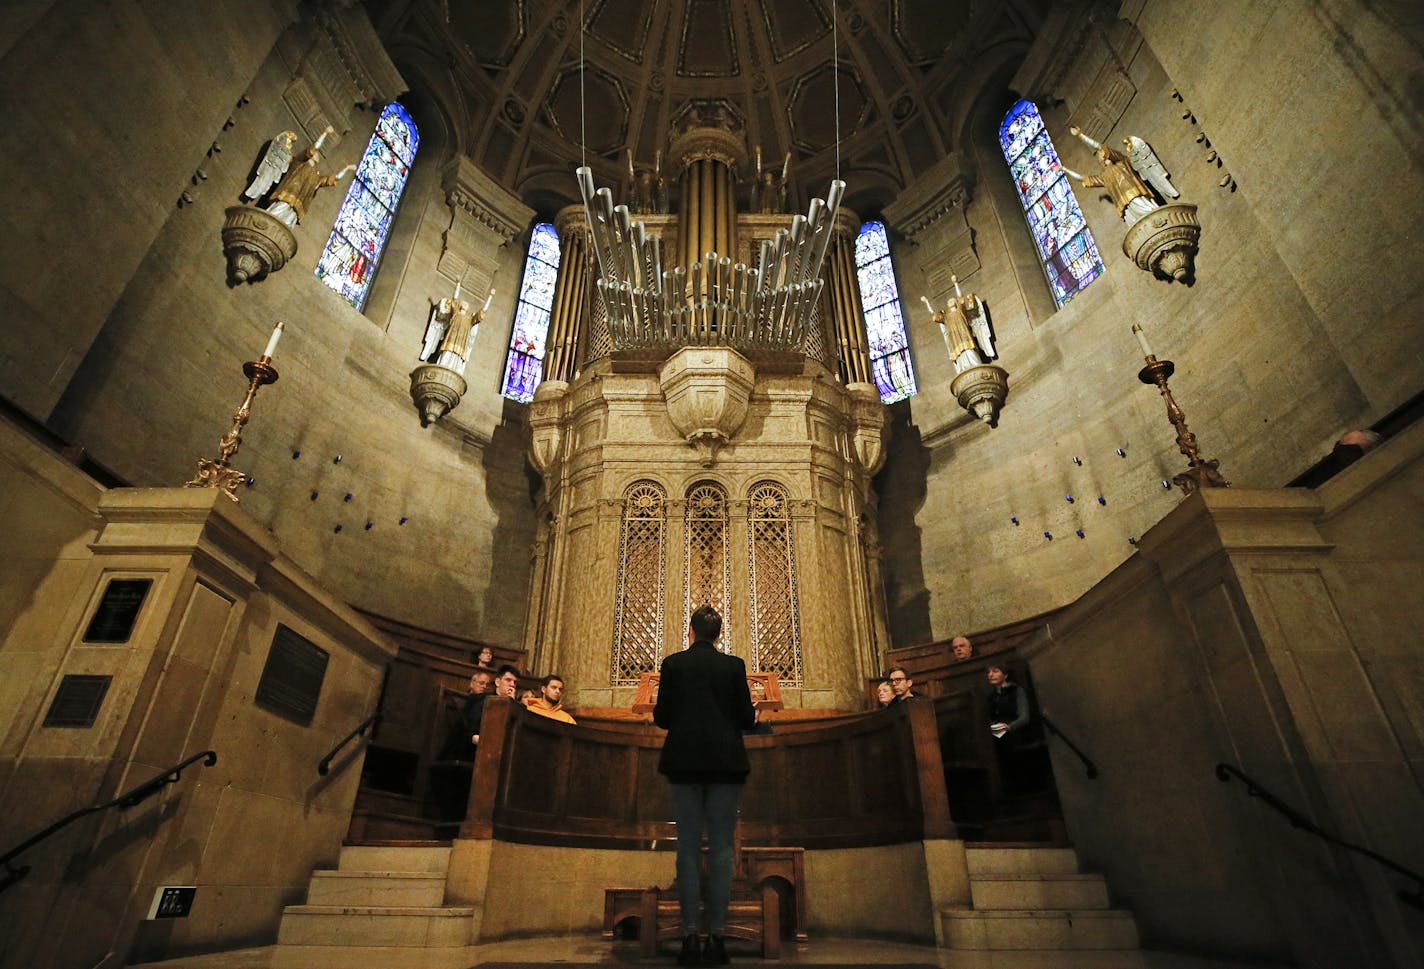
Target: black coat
point(704, 705)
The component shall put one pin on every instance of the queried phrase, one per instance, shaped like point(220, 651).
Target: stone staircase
point(1034, 903)
point(379, 899)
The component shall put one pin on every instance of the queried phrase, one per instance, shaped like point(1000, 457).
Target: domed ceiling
point(508, 72)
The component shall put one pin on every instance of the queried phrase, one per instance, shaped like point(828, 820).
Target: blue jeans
point(711, 808)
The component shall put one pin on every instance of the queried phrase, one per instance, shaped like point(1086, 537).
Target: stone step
point(375, 925)
point(395, 858)
point(1031, 959)
point(1021, 861)
point(1001, 929)
point(1038, 891)
point(384, 888)
point(367, 957)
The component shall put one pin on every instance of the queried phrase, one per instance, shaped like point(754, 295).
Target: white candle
point(488, 300)
point(1142, 339)
point(928, 305)
point(457, 289)
point(957, 290)
point(272, 340)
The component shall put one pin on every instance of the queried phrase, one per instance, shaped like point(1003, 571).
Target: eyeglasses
point(897, 679)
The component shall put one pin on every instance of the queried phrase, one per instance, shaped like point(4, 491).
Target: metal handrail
point(324, 766)
point(1089, 768)
point(128, 799)
point(1224, 773)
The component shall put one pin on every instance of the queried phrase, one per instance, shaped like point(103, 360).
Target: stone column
point(567, 322)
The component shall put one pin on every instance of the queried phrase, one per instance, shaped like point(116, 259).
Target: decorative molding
point(370, 74)
point(483, 217)
point(1057, 49)
point(941, 188)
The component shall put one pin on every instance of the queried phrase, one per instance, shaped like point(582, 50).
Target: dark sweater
point(704, 705)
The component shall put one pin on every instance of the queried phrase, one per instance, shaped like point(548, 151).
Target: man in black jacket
point(704, 705)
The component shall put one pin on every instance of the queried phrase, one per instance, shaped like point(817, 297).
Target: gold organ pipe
point(566, 319)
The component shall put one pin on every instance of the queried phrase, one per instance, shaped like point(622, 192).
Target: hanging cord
point(835, 83)
point(583, 137)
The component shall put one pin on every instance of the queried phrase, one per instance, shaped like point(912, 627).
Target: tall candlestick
point(272, 341)
point(1142, 339)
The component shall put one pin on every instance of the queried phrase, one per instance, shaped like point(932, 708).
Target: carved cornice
point(1060, 43)
point(930, 197)
point(571, 219)
point(473, 193)
point(368, 68)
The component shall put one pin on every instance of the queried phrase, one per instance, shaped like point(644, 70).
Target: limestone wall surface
point(1298, 325)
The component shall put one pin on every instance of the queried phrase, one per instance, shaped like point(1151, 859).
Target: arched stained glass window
point(884, 323)
point(349, 261)
point(1065, 246)
point(524, 367)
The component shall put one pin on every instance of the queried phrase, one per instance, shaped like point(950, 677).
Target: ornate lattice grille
point(776, 625)
point(707, 566)
point(638, 617)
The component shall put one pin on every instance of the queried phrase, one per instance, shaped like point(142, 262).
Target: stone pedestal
point(256, 243)
point(706, 389)
point(1164, 241)
point(981, 391)
point(436, 391)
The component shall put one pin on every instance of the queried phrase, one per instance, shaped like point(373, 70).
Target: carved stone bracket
point(940, 189)
point(256, 243)
point(436, 391)
point(1165, 241)
point(546, 419)
point(981, 391)
point(868, 426)
point(483, 217)
point(707, 390)
point(343, 63)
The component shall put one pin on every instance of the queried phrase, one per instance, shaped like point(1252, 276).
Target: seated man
point(900, 682)
point(505, 683)
point(547, 703)
point(460, 745)
point(962, 648)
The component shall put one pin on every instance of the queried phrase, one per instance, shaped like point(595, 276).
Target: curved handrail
point(128, 799)
point(1224, 773)
point(323, 767)
point(1089, 768)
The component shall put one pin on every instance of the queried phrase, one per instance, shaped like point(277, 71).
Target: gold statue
point(452, 330)
point(1123, 176)
point(769, 191)
point(301, 177)
point(965, 327)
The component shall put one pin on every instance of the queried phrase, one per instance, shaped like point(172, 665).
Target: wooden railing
point(866, 780)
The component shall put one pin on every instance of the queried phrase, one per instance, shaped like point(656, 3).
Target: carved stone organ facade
point(705, 439)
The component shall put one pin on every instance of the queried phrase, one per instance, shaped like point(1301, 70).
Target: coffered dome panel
point(603, 111)
point(812, 107)
point(902, 70)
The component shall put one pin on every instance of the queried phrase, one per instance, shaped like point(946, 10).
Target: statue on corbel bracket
point(258, 239)
point(979, 386)
point(438, 383)
point(1162, 235)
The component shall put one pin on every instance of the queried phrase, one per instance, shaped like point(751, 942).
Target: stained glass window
point(1065, 246)
point(524, 367)
point(348, 263)
point(884, 324)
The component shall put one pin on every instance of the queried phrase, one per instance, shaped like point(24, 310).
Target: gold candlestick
point(1200, 473)
point(217, 474)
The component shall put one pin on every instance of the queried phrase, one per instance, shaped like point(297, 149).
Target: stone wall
point(1279, 343)
point(1275, 631)
point(161, 360)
